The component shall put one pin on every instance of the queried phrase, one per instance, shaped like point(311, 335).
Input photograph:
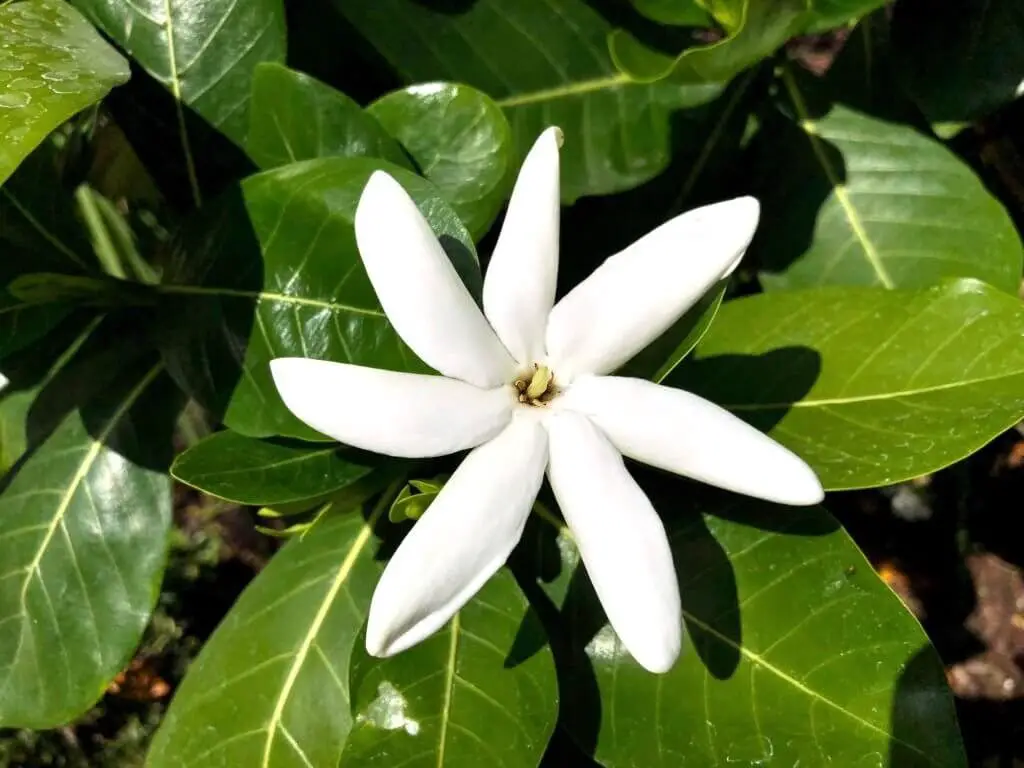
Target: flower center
point(536, 387)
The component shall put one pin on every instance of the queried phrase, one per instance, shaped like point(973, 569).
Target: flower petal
point(682, 433)
point(399, 414)
point(519, 289)
point(635, 295)
point(421, 292)
point(620, 538)
point(462, 539)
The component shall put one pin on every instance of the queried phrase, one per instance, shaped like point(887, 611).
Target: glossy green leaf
point(294, 117)
point(960, 59)
point(52, 65)
point(683, 13)
point(617, 132)
point(413, 500)
point(85, 518)
point(462, 697)
point(870, 387)
point(271, 686)
point(203, 54)
point(828, 14)
point(855, 199)
point(460, 140)
point(796, 653)
point(273, 271)
point(270, 472)
point(762, 27)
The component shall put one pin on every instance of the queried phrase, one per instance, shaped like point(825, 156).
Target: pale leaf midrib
point(449, 686)
point(816, 403)
point(200, 290)
point(566, 91)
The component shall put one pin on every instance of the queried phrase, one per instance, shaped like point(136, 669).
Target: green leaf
point(270, 472)
point(85, 518)
point(795, 651)
point(204, 56)
point(762, 27)
point(443, 702)
point(855, 199)
point(271, 686)
point(460, 140)
point(683, 13)
point(960, 59)
point(617, 132)
point(828, 14)
point(294, 117)
point(410, 505)
point(273, 271)
point(52, 65)
point(870, 387)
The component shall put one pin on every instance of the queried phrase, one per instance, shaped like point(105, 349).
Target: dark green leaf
point(871, 387)
point(761, 27)
point(271, 687)
point(960, 59)
point(855, 199)
point(827, 14)
point(296, 117)
point(463, 696)
point(85, 517)
point(460, 140)
point(273, 271)
point(270, 472)
point(203, 54)
point(683, 13)
point(796, 652)
point(52, 65)
point(617, 132)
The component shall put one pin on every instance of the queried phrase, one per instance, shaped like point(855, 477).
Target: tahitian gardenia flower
point(525, 384)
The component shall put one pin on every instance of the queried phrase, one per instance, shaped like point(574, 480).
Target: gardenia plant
point(527, 386)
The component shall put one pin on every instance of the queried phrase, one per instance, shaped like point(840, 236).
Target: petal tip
point(558, 134)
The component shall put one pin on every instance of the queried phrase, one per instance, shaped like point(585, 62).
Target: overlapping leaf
point(203, 54)
point(271, 687)
point(274, 271)
point(462, 697)
point(870, 387)
point(85, 517)
point(52, 65)
point(296, 117)
point(857, 199)
point(617, 132)
point(795, 652)
point(270, 472)
point(461, 142)
point(756, 28)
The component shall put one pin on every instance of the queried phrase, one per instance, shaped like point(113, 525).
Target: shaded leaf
point(273, 271)
point(960, 59)
point(683, 13)
point(855, 199)
point(270, 472)
point(870, 387)
point(52, 65)
point(827, 14)
point(460, 140)
point(204, 55)
point(296, 117)
point(445, 701)
point(761, 27)
point(788, 631)
point(85, 517)
point(271, 686)
point(617, 132)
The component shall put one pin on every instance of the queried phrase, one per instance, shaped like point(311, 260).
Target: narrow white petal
point(399, 414)
point(421, 292)
point(620, 538)
point(519, 289)
point(635, 295)
point(688, 435)
point(463, 538)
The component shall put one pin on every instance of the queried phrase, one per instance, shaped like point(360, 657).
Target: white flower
point(527, 388)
